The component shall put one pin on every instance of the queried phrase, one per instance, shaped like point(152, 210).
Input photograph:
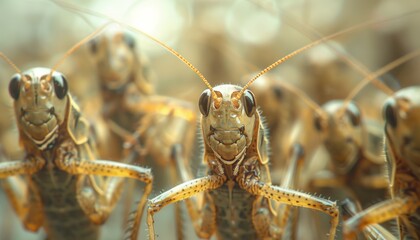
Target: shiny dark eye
point(204, 102)
point(250, 104)
point(14, 86)
point(60, 86)
point(389, 115)
point(354, 116)
point(129, 40)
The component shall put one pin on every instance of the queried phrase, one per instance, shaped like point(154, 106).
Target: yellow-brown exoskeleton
point(64, 187)
point(401, 113)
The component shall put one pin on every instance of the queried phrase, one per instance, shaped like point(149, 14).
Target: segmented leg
point(165, 127)
point(289, 182)
point(98, 207)
point(379, 213)
point(181, 163)
point(179, 222)
point(130, 139)
point(203, 218)
point(206, 226)
point(67, 162)
point(293, 198)
point(182, 192)
point(25, 202)
point(375, 231)
point(13, 168)
point(16, 192)
point(28, 210)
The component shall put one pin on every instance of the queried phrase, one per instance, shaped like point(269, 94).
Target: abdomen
point(63, 216)
point(234, 221)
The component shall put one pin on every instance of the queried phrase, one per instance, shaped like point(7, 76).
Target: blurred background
point(225, 39)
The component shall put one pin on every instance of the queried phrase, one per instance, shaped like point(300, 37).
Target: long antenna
point(310, 45)
point(381, 71)
point(347, 58)
point(10, 62)
point(311, 103)
point(13, 65)
point(171, 50)
point(275, 64)
point(77, 46)
point(376, 74)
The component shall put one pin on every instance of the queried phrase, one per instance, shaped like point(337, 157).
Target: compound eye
point(250, 103)
point(14, 86)
point(129, 40)
point(389, 115)
point(60, 85)
point(204, 102)
point(354, 116)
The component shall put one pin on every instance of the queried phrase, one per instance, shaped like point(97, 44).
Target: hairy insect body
point(41, 120)
point(64, 188)
point(401, 113)
point(355, 162)
point(236, 209)
point(234, 219)
point(406, 183)
point(64, 217)
point(134, 114)
point(138, 121)
point(402, 152)
point(237, 188)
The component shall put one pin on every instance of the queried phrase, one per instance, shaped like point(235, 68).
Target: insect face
point(402, 116)
point(344, 133)
point(40, 102)
point(115, 53)
point(228, 121)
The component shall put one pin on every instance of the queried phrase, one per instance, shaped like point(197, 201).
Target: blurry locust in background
point(401, 112)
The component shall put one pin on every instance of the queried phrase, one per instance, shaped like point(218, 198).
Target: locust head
point(115, 55)
point(40, 102)
point(344, 133)
point(402, 115)
point(228, 121)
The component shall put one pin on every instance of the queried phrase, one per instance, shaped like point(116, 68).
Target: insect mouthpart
point(228, 145)
point(37, 117)
point(40, 125)
point(227, 137)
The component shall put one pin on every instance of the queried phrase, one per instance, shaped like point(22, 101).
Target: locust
point(238, 178)
point(400, 112)
point(149, 123)
point(139, 119)
point(64, 188)
point(356, 164)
